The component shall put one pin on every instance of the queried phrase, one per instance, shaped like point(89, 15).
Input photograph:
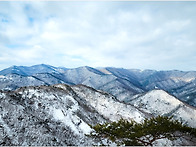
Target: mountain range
point(122, 83)
point(45, 105)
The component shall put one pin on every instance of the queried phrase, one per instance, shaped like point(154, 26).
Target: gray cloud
point(153, 35)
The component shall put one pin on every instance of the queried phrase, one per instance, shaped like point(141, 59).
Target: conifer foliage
point(145, 133)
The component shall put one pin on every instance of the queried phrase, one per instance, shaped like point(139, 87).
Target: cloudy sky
point(142, 35)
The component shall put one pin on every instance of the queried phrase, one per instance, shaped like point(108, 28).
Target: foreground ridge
point(63, 115)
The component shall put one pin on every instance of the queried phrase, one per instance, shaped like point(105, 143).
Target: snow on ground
point(62, 107)
point(58, 114)
point(163, 142)
point(65, 118)
point(2, 95)
point(108, 106)
point(72, 106)
point(159, 102)
point(156, 102)
point(7, 129)
point(69, 118)
point(186, 115)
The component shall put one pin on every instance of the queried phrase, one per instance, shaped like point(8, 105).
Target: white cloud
point(35, 52)
point(155, 35)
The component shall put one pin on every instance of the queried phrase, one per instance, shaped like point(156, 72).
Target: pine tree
point(145, 133)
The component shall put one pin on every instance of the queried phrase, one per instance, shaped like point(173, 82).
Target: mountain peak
point(156, 102)
point(163, 95)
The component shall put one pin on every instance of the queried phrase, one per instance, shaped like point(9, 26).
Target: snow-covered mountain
point(45, 116)
point(178, 83)
point(61, 114)
point(57, 115)
point(31, 70)
point(94, 78)
point(123, 83)
point(159, 102)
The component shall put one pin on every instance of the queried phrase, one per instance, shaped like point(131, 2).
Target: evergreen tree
point(145, 133)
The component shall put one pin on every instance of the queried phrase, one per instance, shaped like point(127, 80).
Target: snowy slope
point(49, 78)
point(58, 115)
point(178, 83)
point(45, 116)
point(156, 102)
point(61, 114)
point(108, 105)
point(159, 102)
point(97, 79)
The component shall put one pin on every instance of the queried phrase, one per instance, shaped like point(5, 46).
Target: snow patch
point(85, 128)
point(58, 114)
point(1, 76)
point(178, 79)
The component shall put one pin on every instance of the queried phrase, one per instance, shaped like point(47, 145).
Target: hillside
point(56, 115)
point(159, 102)
point(61, 114)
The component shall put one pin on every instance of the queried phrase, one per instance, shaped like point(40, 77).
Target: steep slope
point(97, 79)
point(61, 114)
point(124, 74)
point(57, 115)
point(45, 116)
point(108, 105)
point(159, 102)
point(50, 78)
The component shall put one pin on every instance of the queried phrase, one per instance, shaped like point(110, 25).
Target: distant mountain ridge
point(31, 70)
point(123, 83)
point(46, 105)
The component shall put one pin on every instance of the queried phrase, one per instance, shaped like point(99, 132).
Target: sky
point(127, 34)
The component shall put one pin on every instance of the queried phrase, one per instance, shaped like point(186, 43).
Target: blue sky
point(142, 35)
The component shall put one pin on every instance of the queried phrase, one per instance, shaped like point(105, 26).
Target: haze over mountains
point(47, 105)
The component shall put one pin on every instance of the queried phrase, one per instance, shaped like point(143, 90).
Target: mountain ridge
point(121, 82)
point(61, 114)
